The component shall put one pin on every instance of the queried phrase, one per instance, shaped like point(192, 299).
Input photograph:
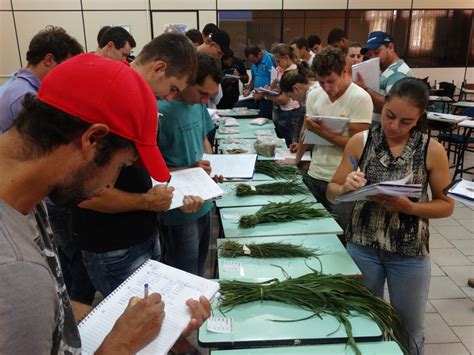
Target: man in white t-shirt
point(337, 97)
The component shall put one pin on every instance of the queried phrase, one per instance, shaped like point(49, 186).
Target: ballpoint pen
point(353, 163)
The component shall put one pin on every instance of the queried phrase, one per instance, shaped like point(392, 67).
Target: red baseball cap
point(100, 90)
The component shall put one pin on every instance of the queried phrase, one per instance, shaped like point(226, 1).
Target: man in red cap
point(69, 143)
point(118, 228)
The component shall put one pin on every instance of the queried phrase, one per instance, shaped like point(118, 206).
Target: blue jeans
point(408, 280)
point(108, 270)
point(341, 211)
point(186, 245)
point(78, 283)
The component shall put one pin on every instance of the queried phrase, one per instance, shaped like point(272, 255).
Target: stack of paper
point(281, 154)
point(370, 72)
point(194, 182)
point(392, 188)
point(232, 166)
point(266, 91)
point(446, 117)
point(334, 124)
point(463, 191)
point(248, 97)
point(273, 74)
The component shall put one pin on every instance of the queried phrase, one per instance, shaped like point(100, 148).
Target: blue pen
point(145, 291)
point(353, 162)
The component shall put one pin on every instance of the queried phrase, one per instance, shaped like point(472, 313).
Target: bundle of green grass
point(291, 187)
point(276, 212)
point(233, 249)
point(338, 295)
point(275, 170)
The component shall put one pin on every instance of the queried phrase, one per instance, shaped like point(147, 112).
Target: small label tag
point(246, 250)
point(252, 187)
point(220, 325)
point(232, 266)
point(231, 216)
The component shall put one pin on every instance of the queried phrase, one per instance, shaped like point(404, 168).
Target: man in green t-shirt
point(381, 44)
point(182, 136)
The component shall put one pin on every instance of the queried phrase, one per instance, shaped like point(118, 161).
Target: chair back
point(448, 89)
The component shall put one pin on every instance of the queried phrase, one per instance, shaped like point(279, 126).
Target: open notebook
point(463, 191)
point(175, 287)
point(393, 188)
point(232, 166)
point(193, 181)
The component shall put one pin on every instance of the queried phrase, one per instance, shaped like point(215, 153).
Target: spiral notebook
point(175, 286)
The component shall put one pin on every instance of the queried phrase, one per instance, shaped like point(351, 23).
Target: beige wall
point(33, 15)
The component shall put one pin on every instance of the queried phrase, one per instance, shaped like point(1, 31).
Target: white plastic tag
point(220, 325)
point(252, 187)
point(246, 250)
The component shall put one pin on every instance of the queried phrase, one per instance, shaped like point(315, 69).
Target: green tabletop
point(335, 259)
point(230, 224)
point(246, 129)
point(231, 200)
point(253, 326)
point(378, 348)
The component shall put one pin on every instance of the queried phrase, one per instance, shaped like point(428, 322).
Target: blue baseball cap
point(375, 40)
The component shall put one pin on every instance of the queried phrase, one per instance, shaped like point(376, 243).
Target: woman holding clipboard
point(388, 236)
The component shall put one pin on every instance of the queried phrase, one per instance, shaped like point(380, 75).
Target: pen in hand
point(354, 163)
point(145, 291)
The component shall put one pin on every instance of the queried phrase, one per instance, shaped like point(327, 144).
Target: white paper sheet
point(232, 165)
point(370, 72)
point(333, 124)
point(193, 181)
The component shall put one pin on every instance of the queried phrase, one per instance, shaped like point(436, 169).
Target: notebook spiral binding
point(98, 307)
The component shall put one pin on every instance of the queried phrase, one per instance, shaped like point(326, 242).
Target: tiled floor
point(449, 319)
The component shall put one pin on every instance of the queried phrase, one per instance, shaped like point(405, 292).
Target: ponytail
point(295, 76)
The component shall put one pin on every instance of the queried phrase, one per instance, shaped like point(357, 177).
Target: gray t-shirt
point(35, 312)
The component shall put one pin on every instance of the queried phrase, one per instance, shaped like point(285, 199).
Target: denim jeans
point(108, 270)
point(186, 245)
point(76, 278)
point(342, 211)
point(286, 124)
point(408, 280)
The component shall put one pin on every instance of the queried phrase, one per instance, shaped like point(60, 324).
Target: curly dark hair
point(329, 60)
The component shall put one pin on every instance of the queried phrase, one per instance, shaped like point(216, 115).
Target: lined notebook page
point(175, 287)
point(193, 181)
point(232, 165)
